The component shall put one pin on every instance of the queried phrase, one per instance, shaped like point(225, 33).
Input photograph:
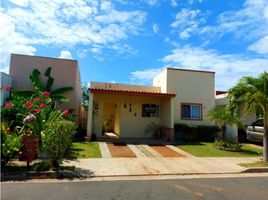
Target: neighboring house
point(5, 80)
point(221, 99)
point(65, 73)
point(177, 96)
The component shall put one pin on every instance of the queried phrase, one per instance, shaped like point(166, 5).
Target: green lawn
point(206, 149)
point(255, 164)
point(84, 150)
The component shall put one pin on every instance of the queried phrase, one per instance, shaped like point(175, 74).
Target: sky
point(131, 41)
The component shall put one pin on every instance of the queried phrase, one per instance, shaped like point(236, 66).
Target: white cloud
point(11, 42)
point(151, 2)
point(65, 23)
point(155, 28)
point(20, 2)
point(66, 54)
point(261, 46)
point(144, 76)
point(173, 3)
point(187, 22)
point(228, 67)
point(248, 24)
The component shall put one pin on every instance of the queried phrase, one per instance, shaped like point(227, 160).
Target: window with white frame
point(191, 111)
point(150, 110)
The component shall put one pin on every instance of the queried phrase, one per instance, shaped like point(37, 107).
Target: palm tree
point(224, 116)
point(34, 77)
point(250, 94)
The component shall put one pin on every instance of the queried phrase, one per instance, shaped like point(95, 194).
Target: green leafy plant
point(55, 95)
point(224, 116)
point(250, 95)
point(57, 139)
point(156, 130)
point(229, 144)
point(10, 146)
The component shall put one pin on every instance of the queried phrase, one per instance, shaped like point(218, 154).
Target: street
point(201, 188)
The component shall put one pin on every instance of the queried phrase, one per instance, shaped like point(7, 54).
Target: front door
point(109, 115)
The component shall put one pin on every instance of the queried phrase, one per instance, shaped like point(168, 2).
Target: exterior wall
point(5, 80)
point(64, 71)
point(191, 87)
point(161, 81)
point(130, 126)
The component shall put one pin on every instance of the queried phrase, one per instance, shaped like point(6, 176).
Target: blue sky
point(127, 41)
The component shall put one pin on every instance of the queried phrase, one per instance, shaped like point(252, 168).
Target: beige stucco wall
point(129, 125)
point(65, 73)
point(161, 80)
point(190, 87)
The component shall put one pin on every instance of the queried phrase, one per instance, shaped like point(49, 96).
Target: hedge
point(195, 132)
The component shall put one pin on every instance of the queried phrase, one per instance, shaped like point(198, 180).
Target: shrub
point(41, 166)
point(10, 146)
point(228, 145)
point(195, 132)
point(57, 138)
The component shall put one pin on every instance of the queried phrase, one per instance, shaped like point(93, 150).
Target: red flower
point(6, 87)
point(29, 108)
point(8, 129)
point(38, 110)
point(28, 104)
point(66, 112)
point(8, 105)
point(42, 105)
point(46, 93)
point(37, 99)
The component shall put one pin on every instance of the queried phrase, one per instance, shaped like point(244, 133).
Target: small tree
point(57, 139)
point(224, 116)
point(250, 94)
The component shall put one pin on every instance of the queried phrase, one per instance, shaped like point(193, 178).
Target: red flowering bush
point(6, 87)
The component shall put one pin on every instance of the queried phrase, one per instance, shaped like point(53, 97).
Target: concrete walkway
point(159, 165)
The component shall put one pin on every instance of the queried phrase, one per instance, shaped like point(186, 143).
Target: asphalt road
point(205, 188)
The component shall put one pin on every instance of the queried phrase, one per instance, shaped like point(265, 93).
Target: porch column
point(90, 115)
point(167, 116)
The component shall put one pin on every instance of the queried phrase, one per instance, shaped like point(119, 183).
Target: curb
point(13, 176)
point(74, 175)
point(256, 170)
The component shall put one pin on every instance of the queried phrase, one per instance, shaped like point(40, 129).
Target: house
point(5, 80)
point(65, 73)
point(176, 96)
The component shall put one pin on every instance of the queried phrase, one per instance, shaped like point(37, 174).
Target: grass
point(255, 164)
point(84, 150)
point(207, 149)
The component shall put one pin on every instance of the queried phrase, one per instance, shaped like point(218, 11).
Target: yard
point(84, 150)
point(206, 149)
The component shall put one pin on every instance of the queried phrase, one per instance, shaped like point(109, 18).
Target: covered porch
point(125, 114)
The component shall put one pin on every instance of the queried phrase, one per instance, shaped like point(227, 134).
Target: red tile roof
point(220, 92)
point(129, 92)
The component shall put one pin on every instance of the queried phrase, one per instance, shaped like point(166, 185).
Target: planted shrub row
point(195, 132)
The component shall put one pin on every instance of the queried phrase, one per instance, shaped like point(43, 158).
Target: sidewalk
point(102, 167)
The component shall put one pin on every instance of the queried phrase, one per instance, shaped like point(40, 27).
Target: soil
point(166, 152)
point(120, 151)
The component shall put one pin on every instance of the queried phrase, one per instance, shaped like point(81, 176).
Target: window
point(150, 110)
point(191, 111)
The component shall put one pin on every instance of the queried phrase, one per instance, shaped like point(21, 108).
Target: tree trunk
point(223, 130)
point(265, 138)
